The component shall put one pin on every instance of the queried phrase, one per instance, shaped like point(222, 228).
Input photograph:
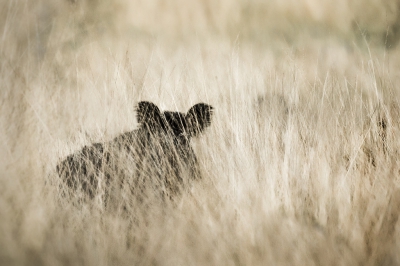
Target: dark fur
point(157, 156)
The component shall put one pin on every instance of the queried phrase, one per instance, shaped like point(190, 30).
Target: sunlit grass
point(297, 165)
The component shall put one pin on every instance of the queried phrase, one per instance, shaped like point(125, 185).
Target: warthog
point(155, 157)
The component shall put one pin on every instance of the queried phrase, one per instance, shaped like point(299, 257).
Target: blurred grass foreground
point(300, 165)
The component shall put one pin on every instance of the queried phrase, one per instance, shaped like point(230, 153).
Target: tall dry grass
point(300, 162)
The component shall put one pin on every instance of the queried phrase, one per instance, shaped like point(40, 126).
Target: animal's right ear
point(198, 118)
point(148, 114)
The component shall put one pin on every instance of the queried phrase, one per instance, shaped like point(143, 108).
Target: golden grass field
point(301, 161)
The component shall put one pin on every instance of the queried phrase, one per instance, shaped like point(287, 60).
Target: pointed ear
point(148, 114)
point(198, 118)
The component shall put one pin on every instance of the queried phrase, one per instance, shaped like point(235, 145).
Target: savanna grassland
point(300, 165)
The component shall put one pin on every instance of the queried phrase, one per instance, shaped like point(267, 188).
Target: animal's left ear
point(198, 118)
point(148, 115)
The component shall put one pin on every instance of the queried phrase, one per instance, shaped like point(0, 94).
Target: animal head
point(164, 141)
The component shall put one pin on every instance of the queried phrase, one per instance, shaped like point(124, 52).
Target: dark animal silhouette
point(155, 157)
